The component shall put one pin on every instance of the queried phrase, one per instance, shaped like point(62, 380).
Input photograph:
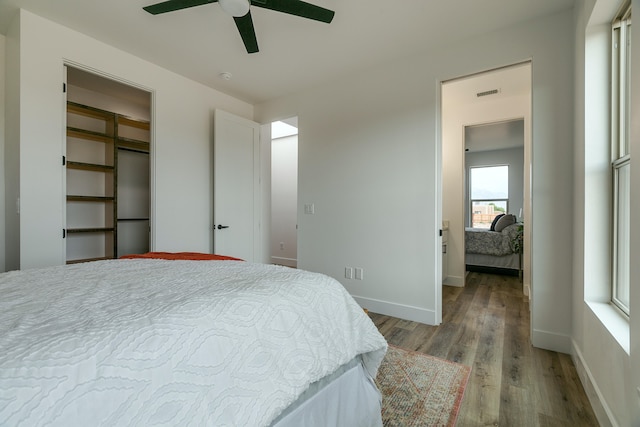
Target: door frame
point(527, 193)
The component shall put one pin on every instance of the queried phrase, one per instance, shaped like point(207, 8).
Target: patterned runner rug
point(420, 390)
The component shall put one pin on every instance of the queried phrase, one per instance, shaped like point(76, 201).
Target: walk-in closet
point(107, 159)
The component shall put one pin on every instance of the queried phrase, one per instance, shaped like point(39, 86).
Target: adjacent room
point(170, 256)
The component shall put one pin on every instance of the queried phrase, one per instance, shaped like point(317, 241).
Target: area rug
point(420, 390)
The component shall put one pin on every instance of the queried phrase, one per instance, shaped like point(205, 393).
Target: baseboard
point(600, 408)
point(287, 262)
point(551, 341)
point(401, 311)
point(454, 281)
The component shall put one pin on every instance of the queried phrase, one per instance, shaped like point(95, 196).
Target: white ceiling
point(494, 136)
point(295, 53)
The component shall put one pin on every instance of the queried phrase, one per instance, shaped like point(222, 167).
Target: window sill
point(614, 321)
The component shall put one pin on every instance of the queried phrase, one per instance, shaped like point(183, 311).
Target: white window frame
point(472, 200)
point(620, 156)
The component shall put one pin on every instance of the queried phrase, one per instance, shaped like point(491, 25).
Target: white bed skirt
point(349, 397)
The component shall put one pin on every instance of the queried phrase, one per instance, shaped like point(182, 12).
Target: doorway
point(493, 102)
point(108, 168)
point(494, 196)
point(284, 193)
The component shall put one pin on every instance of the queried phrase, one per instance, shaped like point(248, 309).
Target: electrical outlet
point(348, 273)
point(282, 246)
point(359, 273)
point(310, 209)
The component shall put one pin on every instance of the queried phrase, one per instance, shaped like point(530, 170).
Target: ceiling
point(295, 53)
point(494, 136)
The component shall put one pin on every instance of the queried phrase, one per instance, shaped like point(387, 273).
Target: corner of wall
point(11, 162)
point(2, 174)
point(598, 403)
point(401, 311)
point(454, 281)
point(551, 341)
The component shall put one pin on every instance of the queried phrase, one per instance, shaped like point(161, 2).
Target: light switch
point(309, 209)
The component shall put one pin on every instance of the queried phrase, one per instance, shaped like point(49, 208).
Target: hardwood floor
point(486, 326)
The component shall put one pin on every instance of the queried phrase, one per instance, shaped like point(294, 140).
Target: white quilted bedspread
point(181, 343)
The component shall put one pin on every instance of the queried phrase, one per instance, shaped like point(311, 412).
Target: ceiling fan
point(239, 9)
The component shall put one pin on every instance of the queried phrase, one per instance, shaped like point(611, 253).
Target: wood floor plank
point(486, 326)
point(487, 368)
point(384, 323)
point(441, 341)
point(577, 399)
point(516, 408)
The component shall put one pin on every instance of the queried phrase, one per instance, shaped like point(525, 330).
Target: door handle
point(220, 227)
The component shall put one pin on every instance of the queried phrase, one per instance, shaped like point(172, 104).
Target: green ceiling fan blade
point(173, 5)
point(247, 32)
point(245, 23)
point(297, 8)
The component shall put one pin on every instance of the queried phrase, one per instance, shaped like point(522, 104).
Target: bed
point(183, 342)
point(494, 251)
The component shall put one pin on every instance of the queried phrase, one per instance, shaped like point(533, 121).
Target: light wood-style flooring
point(485, 325)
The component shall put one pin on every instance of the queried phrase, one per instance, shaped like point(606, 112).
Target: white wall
point(455, 116)
point(606, 361)
point(182, 135)
point(12, 147)
point(369, 160)
point(2, 123)
point(284, 193)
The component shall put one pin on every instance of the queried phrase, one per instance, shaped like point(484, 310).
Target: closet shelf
point(89, 167)
point(135, 123)
point(71, 198)
point(132, 144)
point(85, 110)
point(90, 230)
point(89, 134)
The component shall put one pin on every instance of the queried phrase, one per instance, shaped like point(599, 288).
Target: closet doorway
point(108, 167)
point(496, 105)
point(284, 193)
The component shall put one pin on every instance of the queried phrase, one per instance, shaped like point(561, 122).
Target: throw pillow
point(505, 221)
point(495, 220)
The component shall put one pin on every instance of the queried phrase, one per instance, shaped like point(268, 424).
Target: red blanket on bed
point(195, 256)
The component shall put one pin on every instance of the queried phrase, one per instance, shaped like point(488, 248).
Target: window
point(620, 157)
point(489, 194)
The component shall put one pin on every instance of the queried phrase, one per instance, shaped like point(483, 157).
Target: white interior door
point(236, 187)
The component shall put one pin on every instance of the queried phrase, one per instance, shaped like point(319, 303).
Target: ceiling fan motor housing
point(235, 8)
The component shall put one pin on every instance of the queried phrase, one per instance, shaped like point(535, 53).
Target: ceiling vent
point(487, 92)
